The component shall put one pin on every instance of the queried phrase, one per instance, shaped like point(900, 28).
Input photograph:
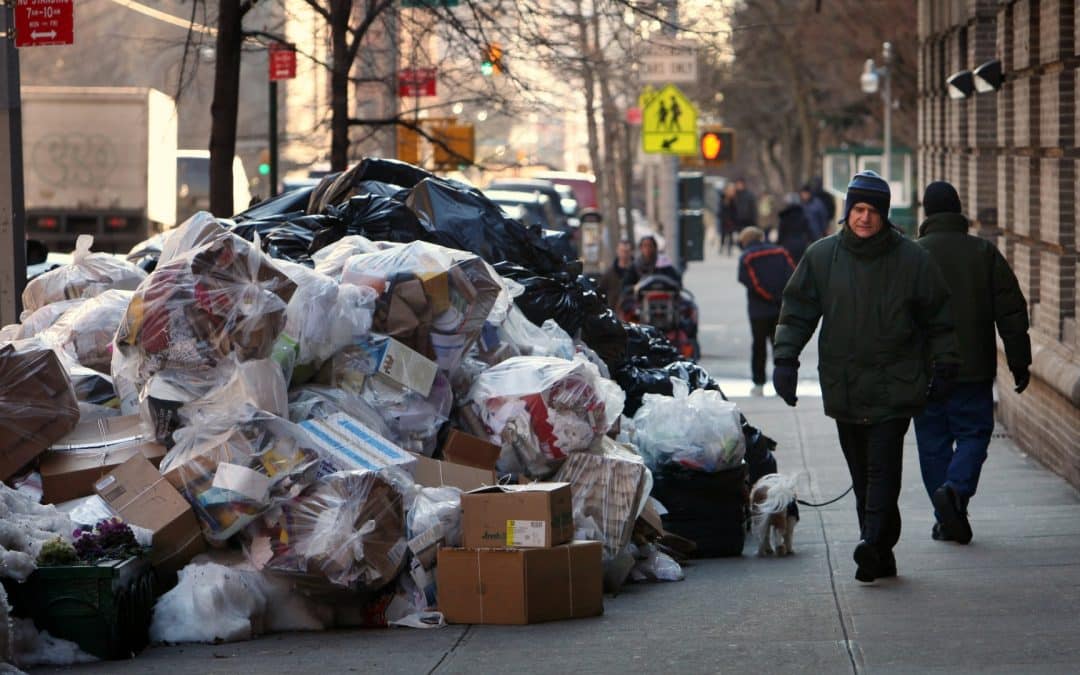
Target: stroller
point(660, 301)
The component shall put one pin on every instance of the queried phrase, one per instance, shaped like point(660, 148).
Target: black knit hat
point(869, 188)
point(941, 197)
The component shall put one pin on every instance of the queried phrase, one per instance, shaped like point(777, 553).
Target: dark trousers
point(762, 330)
point(875, 454)
point(953, 437)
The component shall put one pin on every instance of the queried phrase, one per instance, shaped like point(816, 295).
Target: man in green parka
point(887, 343)
point(954, 434)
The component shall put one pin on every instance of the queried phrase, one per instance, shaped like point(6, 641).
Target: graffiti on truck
point(74, 159)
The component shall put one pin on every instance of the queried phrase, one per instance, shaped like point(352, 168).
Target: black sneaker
point(887, 567)
point(868, 561)
point(954, 522)
point(937, 534)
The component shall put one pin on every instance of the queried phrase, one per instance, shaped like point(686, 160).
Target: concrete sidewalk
point(1005, 603)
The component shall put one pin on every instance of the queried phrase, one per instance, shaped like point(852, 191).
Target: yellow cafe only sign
point(668, 122)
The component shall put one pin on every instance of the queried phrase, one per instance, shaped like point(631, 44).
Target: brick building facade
point(1014, 158)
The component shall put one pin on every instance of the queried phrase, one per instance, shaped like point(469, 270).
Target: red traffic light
point(711, 145)
point(717, 145)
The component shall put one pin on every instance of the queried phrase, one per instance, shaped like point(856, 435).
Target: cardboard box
point(142, 496)
point(399, 363)
point(463, 448)
point(73, 464)
point(348, 445)
point(536, 515)
point(501, 586)
point(433, 473)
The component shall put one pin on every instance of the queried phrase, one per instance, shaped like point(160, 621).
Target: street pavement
point(1006, 603)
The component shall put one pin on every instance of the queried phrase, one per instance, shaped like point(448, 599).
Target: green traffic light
point(264, 169)
point(487, 68)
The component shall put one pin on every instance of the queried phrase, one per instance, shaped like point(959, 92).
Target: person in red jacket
point(764, 269)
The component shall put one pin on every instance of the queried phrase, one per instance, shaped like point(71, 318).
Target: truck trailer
point(100, 161)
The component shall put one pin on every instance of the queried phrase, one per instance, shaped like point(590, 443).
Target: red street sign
point(417, 82)
point(633, 115)
point(44, 22)
point(282, 61)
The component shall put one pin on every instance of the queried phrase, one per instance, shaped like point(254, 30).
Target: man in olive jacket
point(954, 434)
point(887, 342)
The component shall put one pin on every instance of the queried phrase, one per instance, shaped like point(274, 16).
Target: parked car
point(544, 187)
point(583, 185)
point(193, 184)
point(535, 208)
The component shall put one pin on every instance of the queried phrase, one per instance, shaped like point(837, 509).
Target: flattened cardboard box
point(463, 448)
point(73, 464)
point(536, 515)
point(143, 497)
point(503, 586)
point(434, 473)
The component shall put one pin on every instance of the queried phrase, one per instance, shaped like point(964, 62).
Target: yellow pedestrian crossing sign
point(668, 122)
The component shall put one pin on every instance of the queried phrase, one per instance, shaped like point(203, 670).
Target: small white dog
point(770, 520)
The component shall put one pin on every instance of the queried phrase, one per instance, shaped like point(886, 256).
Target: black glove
point(785, 377)
point(941, 382)
point(1022, 377)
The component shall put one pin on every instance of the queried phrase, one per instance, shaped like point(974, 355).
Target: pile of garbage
point(307, 409)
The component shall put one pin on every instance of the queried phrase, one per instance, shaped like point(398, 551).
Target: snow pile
point(216, 602)
point(33, 648)
point(24, 527)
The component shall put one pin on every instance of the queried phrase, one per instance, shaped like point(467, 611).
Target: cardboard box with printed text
point(508, 516)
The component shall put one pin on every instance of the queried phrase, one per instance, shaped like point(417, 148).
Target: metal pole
point(887, 71)
point(273, 139)
point(12, 211)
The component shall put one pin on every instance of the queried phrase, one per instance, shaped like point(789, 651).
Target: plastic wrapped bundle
point(312, 402)
point(37, 404)
point(434, 520)
point(233, 473)
point(88, 275)
point(322, 318)
point(433, 299)
point(222, 301)
point(413, 418)
point(608, 492)
point(86, 332)
point(331, 260)
point(347, 529)
point(541, 409)
point(699, 431)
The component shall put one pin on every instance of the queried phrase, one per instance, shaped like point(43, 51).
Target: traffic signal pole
point(273, 139)
point(12, 210)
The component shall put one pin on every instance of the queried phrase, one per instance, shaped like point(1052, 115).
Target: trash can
point(706, 508)
point(104, 608)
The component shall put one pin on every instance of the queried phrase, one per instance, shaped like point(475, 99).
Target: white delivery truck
point(100, 161)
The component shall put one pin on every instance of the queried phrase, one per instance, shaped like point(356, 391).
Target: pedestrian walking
point(793, 231)
point(887, 344)
point(728, 218)
point(954, 434)
point(764, 269)
point(611, 283)
point(817, 216)
point(745, 205)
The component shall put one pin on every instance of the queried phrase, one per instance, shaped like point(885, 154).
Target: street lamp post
point(872, 78)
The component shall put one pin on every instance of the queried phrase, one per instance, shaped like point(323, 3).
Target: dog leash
point(834, 499)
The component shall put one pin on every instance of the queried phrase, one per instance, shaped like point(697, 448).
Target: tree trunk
point(223, 110)
point(339, 84)
point(611, 142)
point(590, 107)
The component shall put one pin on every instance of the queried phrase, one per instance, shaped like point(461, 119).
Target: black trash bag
point(293, 201)
point(636, 381)
point(380, 218)
point(709, 509)
point(335, 189)
point(377, 187)
point(648, 345)
point(760, 460)
point(606, 336)
point(562, 243)
point(293, 239)
point(461, 217)
point(693, 375)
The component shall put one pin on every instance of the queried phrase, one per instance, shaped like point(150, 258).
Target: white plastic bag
point(700, 431)
point(86, 331)
point(88, 275)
